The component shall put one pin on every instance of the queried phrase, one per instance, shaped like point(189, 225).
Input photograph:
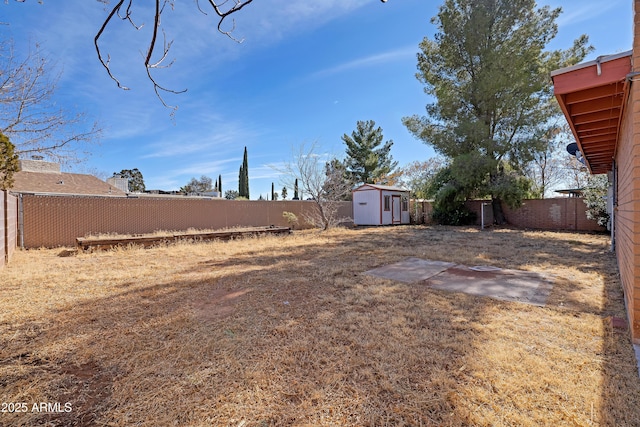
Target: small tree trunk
point(498, 214)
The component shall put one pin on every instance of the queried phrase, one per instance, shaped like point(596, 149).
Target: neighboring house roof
point(592, 97)
point(571, 192)
point(381, 187)
point(62, 183)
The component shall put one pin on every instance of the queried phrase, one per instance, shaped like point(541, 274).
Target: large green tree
point(369, 160)
point(488, 72)
point(8, 162)
point(136, 180)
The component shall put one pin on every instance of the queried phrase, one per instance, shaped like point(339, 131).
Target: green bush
point(449, 208)
point(456, 216)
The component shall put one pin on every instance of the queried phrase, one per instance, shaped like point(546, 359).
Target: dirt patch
point(87, 391)
point(217, 304)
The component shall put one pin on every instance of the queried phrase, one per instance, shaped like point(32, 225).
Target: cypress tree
point(240, 183)
point(273, 191)
point(220, 183)
point(245, 169)
point(295, 190)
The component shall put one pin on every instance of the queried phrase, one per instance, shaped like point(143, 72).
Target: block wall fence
point(8, 226)
point(35, 221)
point(564, 213)
point(52, 221)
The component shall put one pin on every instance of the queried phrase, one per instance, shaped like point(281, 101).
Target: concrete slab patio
point(503, 284)
point(411, 270)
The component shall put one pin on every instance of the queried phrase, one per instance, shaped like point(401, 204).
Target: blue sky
point(307, 71)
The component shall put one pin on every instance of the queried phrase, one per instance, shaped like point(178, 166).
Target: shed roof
point(62, 183)
point(381, 187)
point(591, 96)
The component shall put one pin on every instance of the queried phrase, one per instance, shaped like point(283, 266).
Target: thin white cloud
point(204, 168)
point(368, 61)
point(278, 18)
point(198, 49)
point(259, 24)
point(583, 12)
point(264, 172)
point(211, 139)
point(176, 178)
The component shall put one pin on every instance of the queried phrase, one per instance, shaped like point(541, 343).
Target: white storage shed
point(380, 205)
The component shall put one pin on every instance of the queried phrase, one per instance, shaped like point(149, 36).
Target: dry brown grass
point(288, 331)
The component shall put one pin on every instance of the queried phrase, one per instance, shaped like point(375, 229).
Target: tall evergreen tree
point(245, 166)
point(369, 160)
point(243, 182)
point(284, 193)
point(220, 184)
point(489, 74)
point(295, 190)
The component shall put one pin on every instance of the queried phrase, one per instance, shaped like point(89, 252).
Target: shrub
point(291, 218)
point(595, 197)
point(449, 208)
point(460, 215)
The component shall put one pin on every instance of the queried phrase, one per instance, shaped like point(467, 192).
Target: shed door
point(396, 214)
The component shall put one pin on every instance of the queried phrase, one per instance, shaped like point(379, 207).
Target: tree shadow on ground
point(297, 335)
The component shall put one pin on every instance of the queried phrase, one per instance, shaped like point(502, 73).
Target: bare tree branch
point(223, 9)
point(319, 183)
point(237, 5)
point(28, 112)
point(105, 64)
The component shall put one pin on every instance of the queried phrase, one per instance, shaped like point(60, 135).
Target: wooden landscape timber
point(103, 243)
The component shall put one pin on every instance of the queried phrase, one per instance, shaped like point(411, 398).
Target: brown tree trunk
point(498, 213)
